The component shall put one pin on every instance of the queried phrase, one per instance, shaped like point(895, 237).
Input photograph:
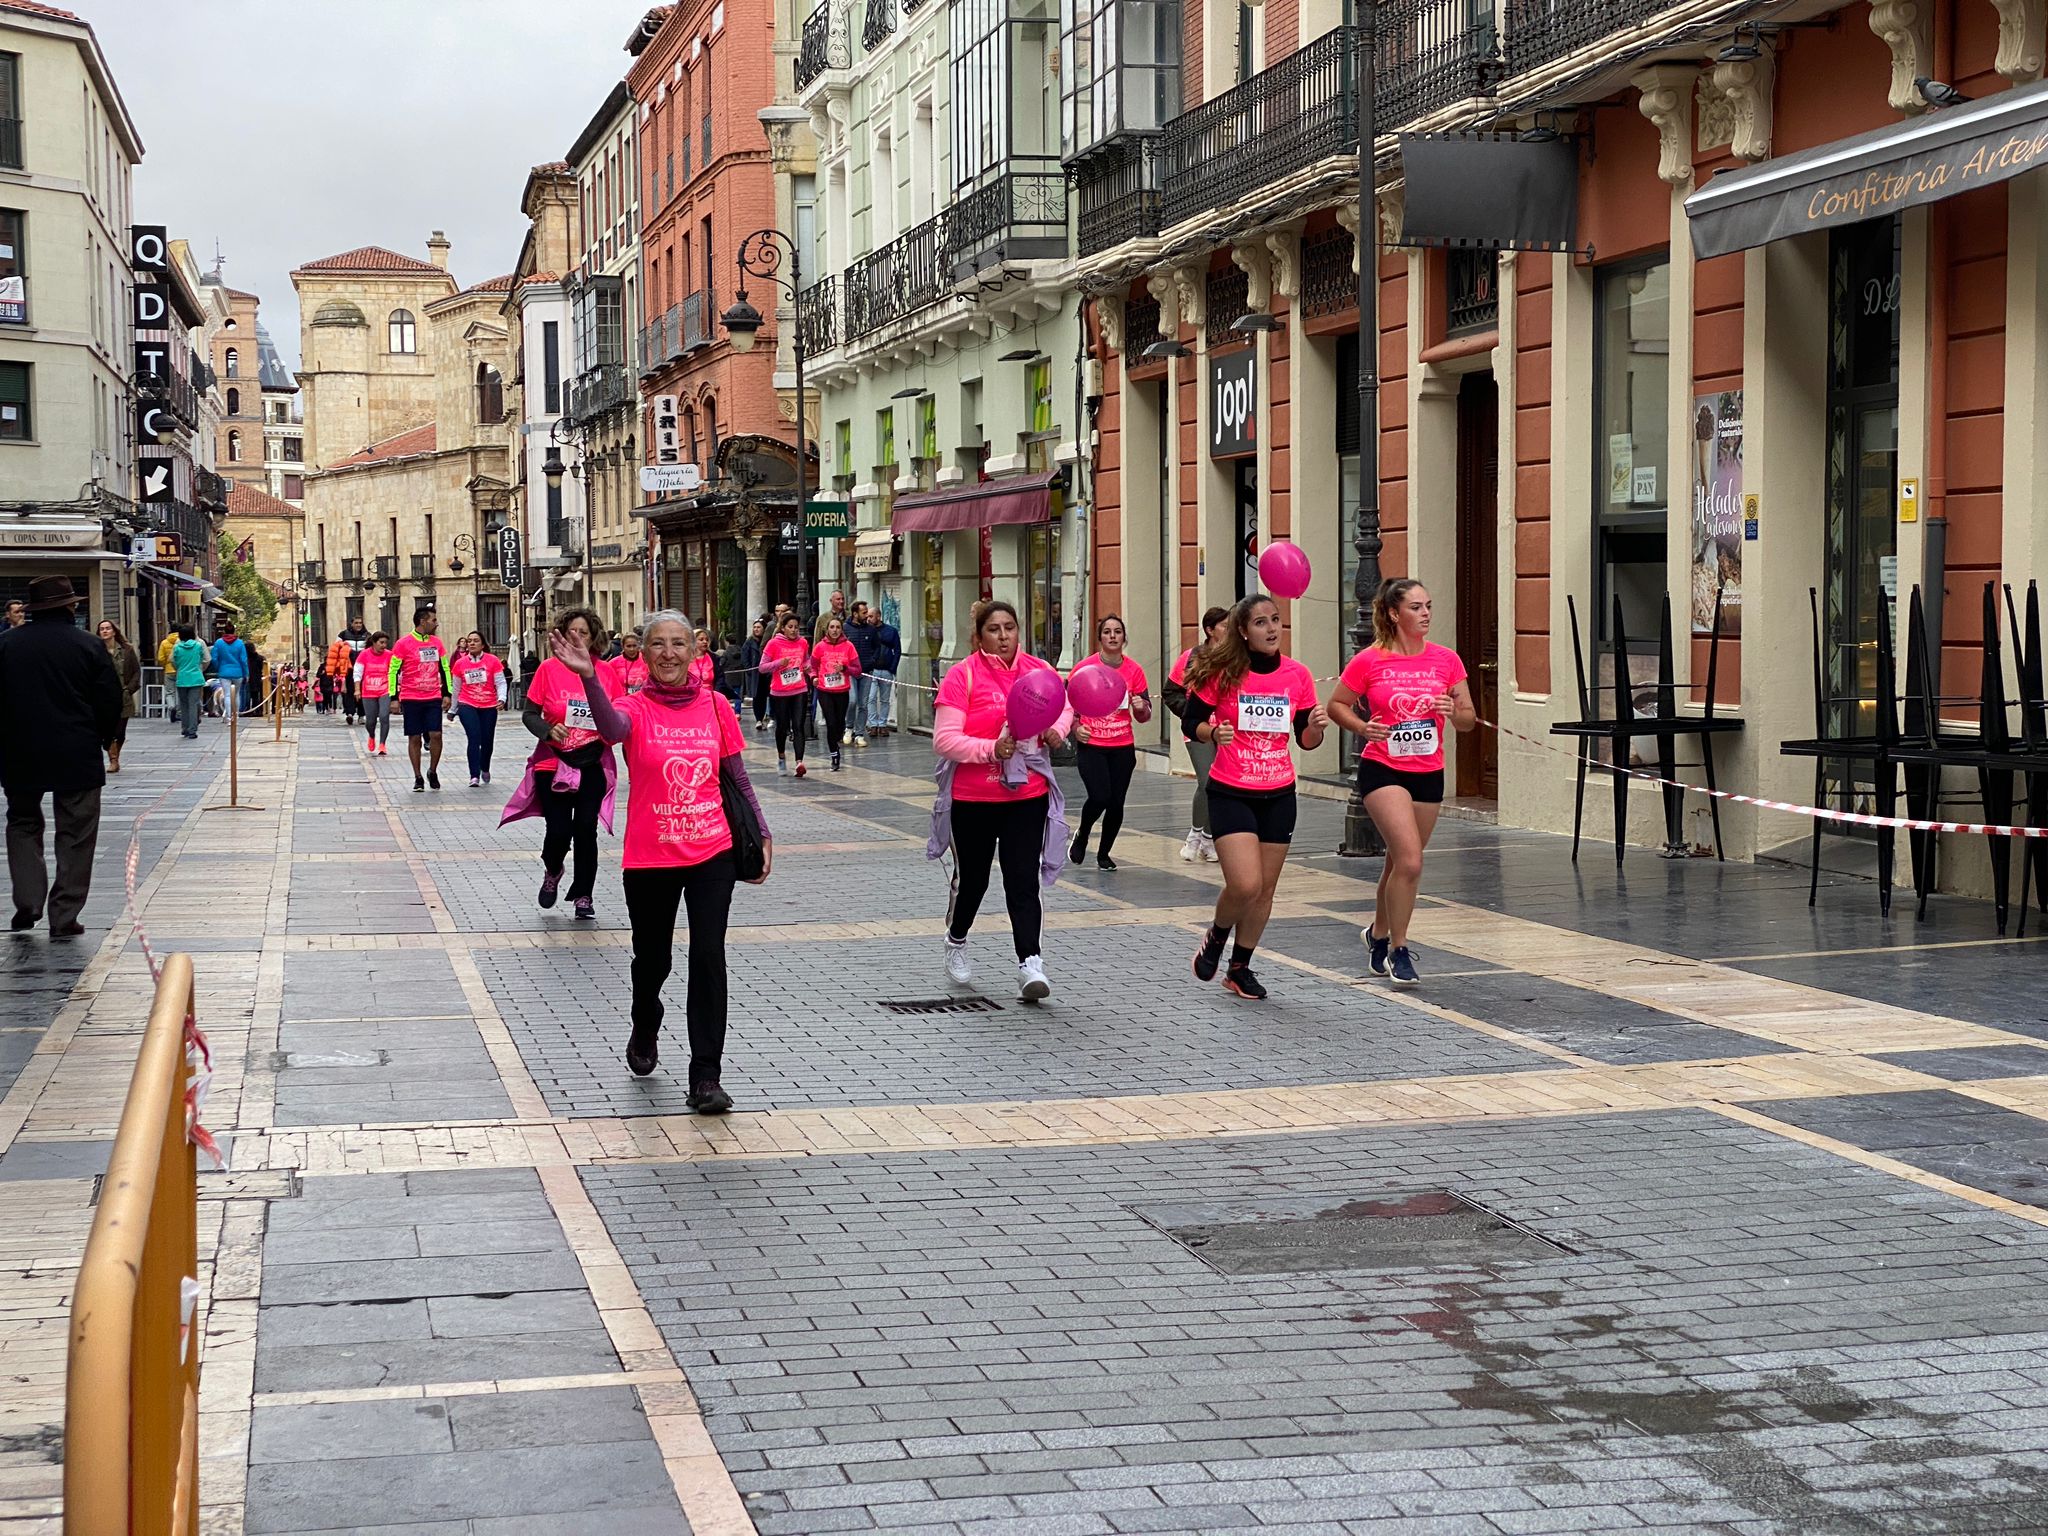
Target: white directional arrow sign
point(156, 484)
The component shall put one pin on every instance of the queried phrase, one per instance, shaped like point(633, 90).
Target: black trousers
point(790, 712)
point(760, 685)
point(77, 814)
point(1015, 831)
point(1106, 774)
point(572, 822)
point(652, 896)
point(834, 707)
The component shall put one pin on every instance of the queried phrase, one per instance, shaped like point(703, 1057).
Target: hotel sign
point(1872, 175)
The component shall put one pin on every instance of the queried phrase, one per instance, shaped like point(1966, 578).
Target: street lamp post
point(552, 469)
point(761, 256)
point(1361, 836)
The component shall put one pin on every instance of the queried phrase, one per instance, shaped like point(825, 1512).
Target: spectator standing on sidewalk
point(17, 614)
point(861, 635)
point(128, 667)
point(187, 673)
point(887, 644)
point(357, 638)
point(55, 675)
point(754, 681)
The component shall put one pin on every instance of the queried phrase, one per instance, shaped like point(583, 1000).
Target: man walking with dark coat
point(62, 701)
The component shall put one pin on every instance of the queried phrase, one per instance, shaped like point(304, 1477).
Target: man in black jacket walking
point(62, 701)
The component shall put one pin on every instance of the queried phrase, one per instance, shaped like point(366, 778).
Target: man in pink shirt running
point(419, 677)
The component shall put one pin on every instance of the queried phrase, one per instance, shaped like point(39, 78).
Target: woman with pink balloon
point(1109, 691)
point(1248, 698)
point(998, 717)
point(1398, 695)
point(1200, 846)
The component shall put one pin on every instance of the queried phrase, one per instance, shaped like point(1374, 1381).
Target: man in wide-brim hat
point(60, 704)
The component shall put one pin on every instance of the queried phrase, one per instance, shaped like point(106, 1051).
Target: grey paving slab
point(1975, 1064)
point(349, 1431)
point(512, 1420)
point(55, 1159)
point(381, 1279)
point(416, 1362)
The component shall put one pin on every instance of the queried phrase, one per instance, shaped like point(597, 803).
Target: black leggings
point(834, 706)
point(652, 896)
point(572, 818)
point(1017, 829)
point(789, 713)
point(1106, 772)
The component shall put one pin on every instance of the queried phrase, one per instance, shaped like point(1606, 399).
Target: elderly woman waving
point(682, 742)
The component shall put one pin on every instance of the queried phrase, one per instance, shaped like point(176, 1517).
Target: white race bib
point(1412, 738)
point(476, 677)
point(1273, 712)
point(791, 676)
point(576, 714)
point(835, 679)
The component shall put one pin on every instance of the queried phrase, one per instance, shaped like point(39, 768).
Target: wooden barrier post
point(131, 1395)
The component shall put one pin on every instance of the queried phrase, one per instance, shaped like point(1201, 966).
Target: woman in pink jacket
point(834, 665)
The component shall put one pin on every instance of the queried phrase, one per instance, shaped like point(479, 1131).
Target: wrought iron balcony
point(1329, 286)
point(1116, 187)
point(312, 573)
point(817, 317)
point(598, 392)
point(878, 24)
point(696, 310)
point(901, 278)
point(352, 570)
point(193, 527)
point(10, 143)
point(823, 47)
point(384, 567)
point(423, 570)
point(1302, 110)
point(1141, 328)
point(1018, 216)
point(662, 342)
point(1538, 31)
point(211, 489)
point(1225, 302)
point(1433, 53)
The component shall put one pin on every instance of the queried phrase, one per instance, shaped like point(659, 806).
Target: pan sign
point(508, 555)
point(1234, 404)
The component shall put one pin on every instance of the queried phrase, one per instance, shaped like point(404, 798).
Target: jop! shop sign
point(1234, 404)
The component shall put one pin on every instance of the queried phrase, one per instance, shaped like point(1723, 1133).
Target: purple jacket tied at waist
point(1016, 772)
point(525, 799)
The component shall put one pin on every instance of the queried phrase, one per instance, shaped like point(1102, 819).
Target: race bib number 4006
point(1271, 712)
point(1412, 738)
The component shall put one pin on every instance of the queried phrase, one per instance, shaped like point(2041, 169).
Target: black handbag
point(749, 850)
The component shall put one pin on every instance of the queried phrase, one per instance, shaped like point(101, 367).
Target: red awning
point(991, 504)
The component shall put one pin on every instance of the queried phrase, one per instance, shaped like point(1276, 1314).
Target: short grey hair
point(667, 616)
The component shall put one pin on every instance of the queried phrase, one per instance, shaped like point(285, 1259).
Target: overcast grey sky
point(289, 130)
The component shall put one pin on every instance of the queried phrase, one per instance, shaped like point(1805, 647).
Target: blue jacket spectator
point(888, 647)
point(863, 638)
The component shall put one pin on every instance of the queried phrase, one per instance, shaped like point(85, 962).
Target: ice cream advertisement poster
point(1717, 510)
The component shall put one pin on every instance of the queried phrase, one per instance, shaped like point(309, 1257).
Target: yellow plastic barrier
point(131, 1401)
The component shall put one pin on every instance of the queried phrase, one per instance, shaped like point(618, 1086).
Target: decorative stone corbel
point(1347, 218)
point(1193, 283)
point(1283, 249)
point(1109, 314)
point(1257, 265)
point(1393, 206)
point(1166, 290)
point(1745, 86)
point(1664, 96)
point(2020, 43)
point(1907, 27)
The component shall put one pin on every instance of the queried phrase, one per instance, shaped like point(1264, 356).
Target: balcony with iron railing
point(352, 569)
point(1019, 215)
point(10, 144)
point(823, 45)
point(597, 392)
point(662, 342)
point(193, 527)
point(1433, 53)
point(1116, 192)
point(878, 24)
point(423, 570)
point(817, 317)
point(312, 573)
point(211, 489)
point(697, 314)
point(1539, 31)
point(899, 279)
point(384, 568)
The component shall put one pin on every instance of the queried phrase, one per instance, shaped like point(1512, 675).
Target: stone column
point(756, 551)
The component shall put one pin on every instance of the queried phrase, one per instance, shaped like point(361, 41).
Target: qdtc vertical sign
point(149, 261)
point(1234, 404)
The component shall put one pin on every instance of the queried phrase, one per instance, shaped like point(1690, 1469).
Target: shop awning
point(874, 550)
point(992, 504)
point(1493, 190)
point(1921, 160)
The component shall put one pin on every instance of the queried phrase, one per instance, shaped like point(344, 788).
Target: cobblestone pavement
point(1668, 1203)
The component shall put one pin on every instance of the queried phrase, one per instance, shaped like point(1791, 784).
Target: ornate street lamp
point(761, 256)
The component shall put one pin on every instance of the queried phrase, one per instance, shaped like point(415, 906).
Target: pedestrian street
point(1665, 1203)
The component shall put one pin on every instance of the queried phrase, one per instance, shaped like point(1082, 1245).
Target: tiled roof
point(552, 165)
point(237, 293)
point(30, 8)
point(493, 285)
point(541, 277)
point(254, 501)
point(369, 258)
point(406, 444)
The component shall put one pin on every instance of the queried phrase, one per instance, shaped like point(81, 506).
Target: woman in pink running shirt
point(833, 667)
point(479, 695)
point(1106, 746)
point(571, 779)
point(1400, 694)
point(680, 737)
point(784, 661)
point(373, 687)
point(629, 666)
point(1246, 699)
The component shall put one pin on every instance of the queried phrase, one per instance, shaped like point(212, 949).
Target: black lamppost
point(761, 256)
point(1361, 836)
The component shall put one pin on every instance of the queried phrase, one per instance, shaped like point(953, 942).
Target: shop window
point(928, 429)
point(842, 453)
point(1039, 383)
point(16, 420)
point(885, 440)
point(1632, 492)
point(1348, 489)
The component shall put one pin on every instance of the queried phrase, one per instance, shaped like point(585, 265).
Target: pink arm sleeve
point(951, 741)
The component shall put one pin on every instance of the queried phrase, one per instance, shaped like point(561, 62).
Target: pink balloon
point(1096, 690)
point(1036, 700)
point(1283, 569)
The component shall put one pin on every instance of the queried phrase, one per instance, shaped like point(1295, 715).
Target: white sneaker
point(860, 741)
point(1191, 849)
point(959, 969)
point(1032, 986)
point(782, 767)
point(1208, 849)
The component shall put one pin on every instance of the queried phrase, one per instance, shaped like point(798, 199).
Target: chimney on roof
point(437, 250)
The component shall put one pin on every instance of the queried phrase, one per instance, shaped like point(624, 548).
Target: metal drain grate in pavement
point(1317, 1235)
point(972, 1003)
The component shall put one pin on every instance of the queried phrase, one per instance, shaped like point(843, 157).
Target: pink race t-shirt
point(419, 666)
point(559, 693)
point(1114, 728)
point(835, 663)
point(674, 817)
point(476, 680)
point(375, 683)
point(1260, 712)
point(979, 687)
point(1398, 691)
point(632, 675)
point(783, 660)
point(1178, 672)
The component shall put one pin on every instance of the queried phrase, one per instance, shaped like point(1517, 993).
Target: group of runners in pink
point(695, 829)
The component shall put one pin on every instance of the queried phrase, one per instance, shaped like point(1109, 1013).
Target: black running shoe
point(433, 781)
point(1102, 861)
point(550, 883)
point(1078, 852)
point(1377, 950)
point(643, 1052)
point(1239, 979)
point(419, 786)
point(708, 1098)
point(1402, 966)
point(1210, 955)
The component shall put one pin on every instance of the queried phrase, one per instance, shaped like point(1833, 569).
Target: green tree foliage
point(246, 590)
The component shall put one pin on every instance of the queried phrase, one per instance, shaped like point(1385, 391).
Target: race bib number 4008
point(1271, 712)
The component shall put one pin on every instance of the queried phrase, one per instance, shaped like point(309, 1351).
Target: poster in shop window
point(1717, 510)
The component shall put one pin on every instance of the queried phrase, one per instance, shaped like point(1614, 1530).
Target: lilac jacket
point(1016, 772)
